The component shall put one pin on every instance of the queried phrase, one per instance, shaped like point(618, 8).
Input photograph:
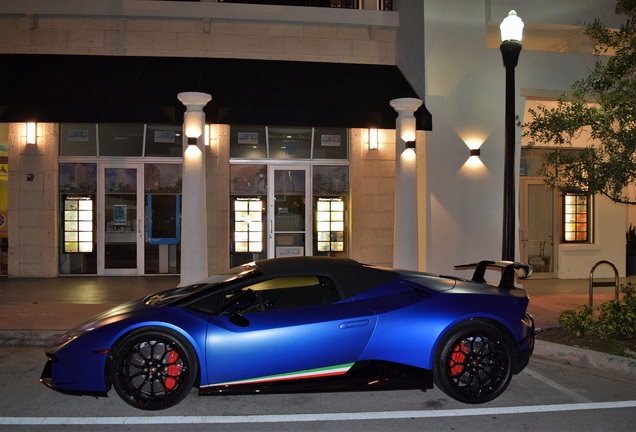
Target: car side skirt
point(360, 376)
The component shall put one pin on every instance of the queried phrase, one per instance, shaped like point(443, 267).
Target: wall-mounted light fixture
point(410, 145)
point(373, 139)
point(31, 133)
point(474, 145)
point(194, 117)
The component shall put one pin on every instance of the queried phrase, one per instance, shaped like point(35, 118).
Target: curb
point(585, 358)
point(28, 337)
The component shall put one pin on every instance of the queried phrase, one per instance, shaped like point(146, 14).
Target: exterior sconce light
point(373, 139)
point(474, 145)
point(194, 117)
point(410, 145)
point(31, 133)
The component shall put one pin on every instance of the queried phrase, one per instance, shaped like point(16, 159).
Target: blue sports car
point(300, 325)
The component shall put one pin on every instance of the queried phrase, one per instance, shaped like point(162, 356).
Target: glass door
point(537, 227)
point(120, 220)
point(290, 212)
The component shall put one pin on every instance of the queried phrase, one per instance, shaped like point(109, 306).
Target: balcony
point(343, 4)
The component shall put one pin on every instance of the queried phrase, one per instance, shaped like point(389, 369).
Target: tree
point(603, 105)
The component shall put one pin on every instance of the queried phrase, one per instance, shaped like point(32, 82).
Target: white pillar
point(194, 235)
point(405, 244)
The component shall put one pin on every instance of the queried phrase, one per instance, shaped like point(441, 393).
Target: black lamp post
point(511, 33)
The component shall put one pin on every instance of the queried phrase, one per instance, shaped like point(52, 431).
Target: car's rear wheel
point(473, 363)
point(153, 368)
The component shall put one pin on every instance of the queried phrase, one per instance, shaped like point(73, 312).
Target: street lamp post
point(511, 33)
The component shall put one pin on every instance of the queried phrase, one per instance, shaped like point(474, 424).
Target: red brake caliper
point(174, 370)
point(457, 359)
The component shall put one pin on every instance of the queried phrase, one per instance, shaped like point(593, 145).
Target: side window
point(283, 293)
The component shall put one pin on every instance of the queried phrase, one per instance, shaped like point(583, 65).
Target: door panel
point(537, 227)
point(289, 224)
point(121, 220)
point(316, 337)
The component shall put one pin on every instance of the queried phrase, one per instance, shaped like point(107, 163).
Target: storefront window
point(248, 215)
point(4, 216)
point(576, 215)
point(288, 143)
point(248, 142)
point(330, 195)
point(283, 143)
point(331, 144)
point(162, 248)
point(78, 192)
point(78, 139)
point(121, 139)
point(164, 141)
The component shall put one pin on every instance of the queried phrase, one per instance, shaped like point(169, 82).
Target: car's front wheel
point(153, 368)
point(473, 363)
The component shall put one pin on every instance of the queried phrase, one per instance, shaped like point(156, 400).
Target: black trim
point(363, 376)
point(118, 89)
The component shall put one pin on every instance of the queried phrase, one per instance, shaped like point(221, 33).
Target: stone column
point(405, 244)
point(194, 248)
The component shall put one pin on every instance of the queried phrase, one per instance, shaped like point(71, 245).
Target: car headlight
point(73, 334)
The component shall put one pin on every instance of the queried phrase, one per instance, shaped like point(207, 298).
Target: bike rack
point(600, 284)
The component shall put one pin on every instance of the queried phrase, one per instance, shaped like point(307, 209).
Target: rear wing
point(508, 269)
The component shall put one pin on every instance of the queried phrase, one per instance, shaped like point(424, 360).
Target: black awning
point(115, 89)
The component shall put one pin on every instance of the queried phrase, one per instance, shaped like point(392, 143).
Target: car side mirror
point(239, 320)
point(236, 304)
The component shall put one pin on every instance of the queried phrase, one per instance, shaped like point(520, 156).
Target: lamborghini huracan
point(304, 324)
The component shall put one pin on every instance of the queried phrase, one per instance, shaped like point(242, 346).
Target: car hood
point(109, 316)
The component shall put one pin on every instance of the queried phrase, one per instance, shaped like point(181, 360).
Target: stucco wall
point(465, 92)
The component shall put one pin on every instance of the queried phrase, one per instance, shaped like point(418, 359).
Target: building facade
point(289, 166)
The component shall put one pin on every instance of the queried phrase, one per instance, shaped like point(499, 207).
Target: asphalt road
point(548, 396)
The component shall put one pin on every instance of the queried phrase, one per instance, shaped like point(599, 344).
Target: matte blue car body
point(80, 363)
point(401, 322)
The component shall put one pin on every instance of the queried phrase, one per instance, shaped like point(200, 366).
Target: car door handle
point(356, 323)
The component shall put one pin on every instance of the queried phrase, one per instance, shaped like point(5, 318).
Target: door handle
point(355, 323)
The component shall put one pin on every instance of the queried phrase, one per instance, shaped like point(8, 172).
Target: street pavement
point(34, 311)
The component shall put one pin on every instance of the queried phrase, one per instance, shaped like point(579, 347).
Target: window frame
point(571, 212)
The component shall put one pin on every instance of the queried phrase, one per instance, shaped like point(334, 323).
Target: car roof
point(350, 276)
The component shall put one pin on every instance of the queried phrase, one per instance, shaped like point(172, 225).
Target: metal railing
point(344, 4)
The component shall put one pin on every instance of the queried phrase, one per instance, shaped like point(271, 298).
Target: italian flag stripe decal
point(309, 373)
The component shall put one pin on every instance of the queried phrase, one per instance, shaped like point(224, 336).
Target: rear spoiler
point(508, 269)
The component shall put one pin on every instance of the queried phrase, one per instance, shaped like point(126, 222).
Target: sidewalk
point(35, 311)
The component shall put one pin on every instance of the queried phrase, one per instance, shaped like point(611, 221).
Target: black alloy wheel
point(473, 363)
point(153, 368)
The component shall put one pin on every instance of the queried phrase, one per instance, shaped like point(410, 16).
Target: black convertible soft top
point(350, 276)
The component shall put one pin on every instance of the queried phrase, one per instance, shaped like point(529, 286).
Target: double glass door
point(289, 212)
point(120, 220)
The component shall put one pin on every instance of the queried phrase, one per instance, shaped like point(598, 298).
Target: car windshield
point(173, 295)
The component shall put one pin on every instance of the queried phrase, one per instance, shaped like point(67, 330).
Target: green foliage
point(612, 319)
point(603, 105)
